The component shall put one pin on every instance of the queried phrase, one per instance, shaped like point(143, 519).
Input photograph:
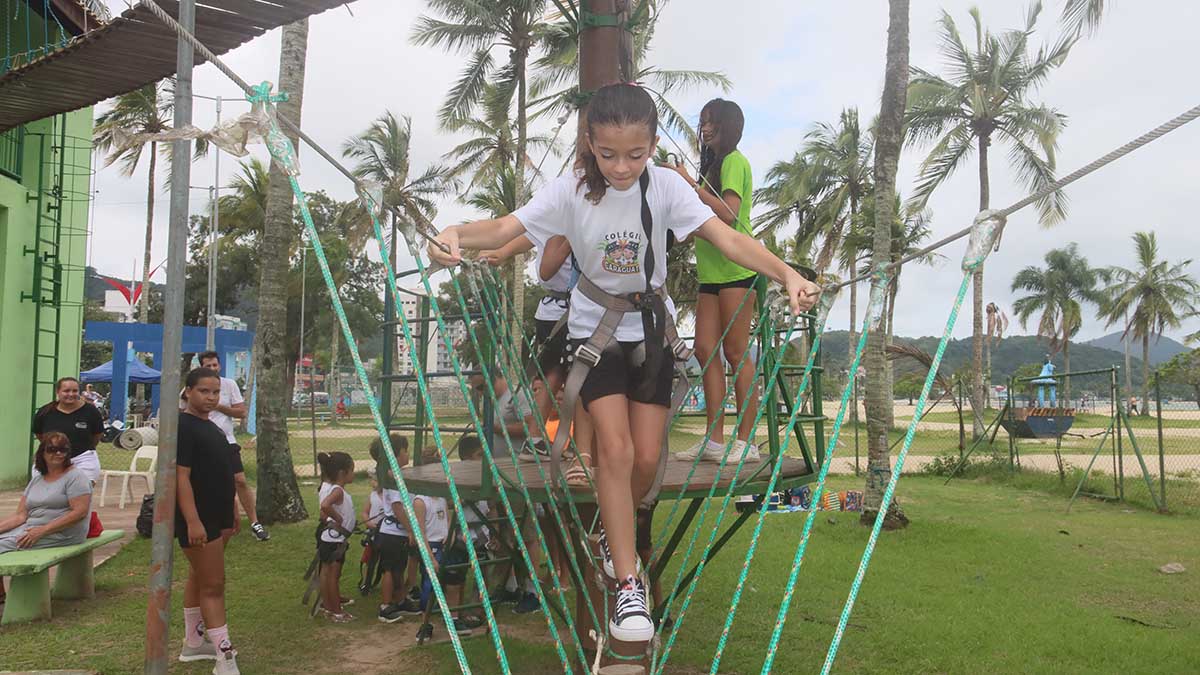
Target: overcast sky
point(792, 65)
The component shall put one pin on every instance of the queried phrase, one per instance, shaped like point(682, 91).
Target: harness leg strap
point(586, 357)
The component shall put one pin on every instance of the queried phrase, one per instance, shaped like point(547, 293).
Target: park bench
point(29, 587)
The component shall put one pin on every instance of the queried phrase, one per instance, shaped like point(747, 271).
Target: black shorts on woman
point(749, 282)
point(616, 373)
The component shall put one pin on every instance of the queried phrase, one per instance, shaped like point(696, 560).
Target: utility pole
point(158, 609)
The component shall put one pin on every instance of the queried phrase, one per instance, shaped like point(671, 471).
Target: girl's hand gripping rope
point(444, 248)
point(802, 294)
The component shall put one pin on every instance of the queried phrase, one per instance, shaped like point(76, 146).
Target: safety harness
point(658, 329)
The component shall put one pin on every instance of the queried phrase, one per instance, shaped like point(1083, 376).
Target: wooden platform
point(470, 479)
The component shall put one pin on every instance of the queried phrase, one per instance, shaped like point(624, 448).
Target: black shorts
point(214, 525)
point(331, 552)
point(614, 375)
point(455, 555)
point(715, 289)
point(236, 462)
point(393, 552)
point(552, 351)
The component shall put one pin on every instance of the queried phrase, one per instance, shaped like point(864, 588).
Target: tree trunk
point(889, 138)
point(139, 392)
point(1066, 396)
point(279, 497)
point(520, 57)
point(978, 402)
point(852, 342)
point(890, 368)
point(1128, 360)
point(1145, 409)
point(334, 386)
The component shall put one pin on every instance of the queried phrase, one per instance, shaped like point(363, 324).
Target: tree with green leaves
point(1149, 298)
point(1183, 369)
point(1055, 293)
point(839, 161)
point(985, 96)
point(143, 111)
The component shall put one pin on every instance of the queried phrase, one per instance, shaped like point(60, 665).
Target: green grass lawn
point(989, 577)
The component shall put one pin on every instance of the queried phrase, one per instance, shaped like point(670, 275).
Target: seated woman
point(53, 511)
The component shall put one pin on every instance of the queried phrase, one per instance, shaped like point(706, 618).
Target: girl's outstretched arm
point(558, 249)
point(748, 252)
point(481, 234)
point(521, 244)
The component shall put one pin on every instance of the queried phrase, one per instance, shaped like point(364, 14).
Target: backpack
point(145, 519)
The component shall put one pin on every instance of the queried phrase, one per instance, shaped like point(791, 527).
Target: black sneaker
point(425, 632)
point(631, 621)
point(260, 532)
point(465, 624)
point(535, 451)
point(390, 613)
point(414, 594)
point(528, 603)
point(409, 606)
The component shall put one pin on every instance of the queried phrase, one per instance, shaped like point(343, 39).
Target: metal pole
point(854, 386)
point(1118, 450)
point(158, 607)
point(1162, 468)
point(210, 339)
point(300, 357)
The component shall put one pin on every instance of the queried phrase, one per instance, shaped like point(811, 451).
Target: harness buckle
point(680, 349)
point(588, 355)
point(641, 300)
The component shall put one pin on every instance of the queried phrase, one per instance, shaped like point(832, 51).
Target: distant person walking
point(1133, 409)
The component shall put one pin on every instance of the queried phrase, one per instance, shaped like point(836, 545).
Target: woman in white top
point(603, 212)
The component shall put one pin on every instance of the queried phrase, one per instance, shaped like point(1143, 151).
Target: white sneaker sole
point(197, 657)
point(642, 633)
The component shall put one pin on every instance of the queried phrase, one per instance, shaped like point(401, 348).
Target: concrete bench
point(29, 588)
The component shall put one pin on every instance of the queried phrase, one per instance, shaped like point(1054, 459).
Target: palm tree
point(383, 155)
point(889, 136)
point(1054, 293)
point(244, 209)
point(839, 162)
point(1155, 295)
point(279, 497)
point(143, 111)
point(790, 191)
point(555, 85)
point(492, 144)
point(476, 28)
point(1082, 16)
point(986, 97)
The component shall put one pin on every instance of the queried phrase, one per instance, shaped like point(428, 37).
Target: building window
point(12, 152)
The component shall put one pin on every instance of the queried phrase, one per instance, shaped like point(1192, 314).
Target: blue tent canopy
point(139, 373)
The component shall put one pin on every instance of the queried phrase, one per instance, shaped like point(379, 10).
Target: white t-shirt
point(345, 510)
point(392, 525)
point(608, 239)
point(553, 309)
point(476, 526)
point(375, 508)
point(231, 395)
point(437, 522)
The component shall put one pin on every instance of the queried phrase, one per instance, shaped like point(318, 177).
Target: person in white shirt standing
point(232, 406)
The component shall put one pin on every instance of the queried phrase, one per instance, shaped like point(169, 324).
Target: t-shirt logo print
point(621, 253)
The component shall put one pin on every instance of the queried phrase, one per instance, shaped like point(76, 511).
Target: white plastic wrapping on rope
point(985, 238)
point(829, 296)
point(370, 193)
point(875, 306)
point(231, 136)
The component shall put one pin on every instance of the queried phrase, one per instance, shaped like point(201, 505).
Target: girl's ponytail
point(333, 464)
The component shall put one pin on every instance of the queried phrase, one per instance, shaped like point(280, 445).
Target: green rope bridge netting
point(476, 291)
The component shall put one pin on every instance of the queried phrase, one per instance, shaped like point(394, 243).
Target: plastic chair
point(148, 453)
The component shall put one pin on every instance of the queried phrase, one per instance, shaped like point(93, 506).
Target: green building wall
point(55, 166)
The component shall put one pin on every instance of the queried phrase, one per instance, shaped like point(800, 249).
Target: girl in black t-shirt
point(206, 492)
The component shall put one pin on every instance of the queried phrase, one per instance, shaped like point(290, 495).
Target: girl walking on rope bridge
point(615, 213)
point(337, 517)
point(204, 521)
point(727, 290)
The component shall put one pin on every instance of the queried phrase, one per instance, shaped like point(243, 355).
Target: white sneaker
point(206, 651)
point(606, 557)
point(227, 663)
point(631, 620)
point(744, 450)
point(702, 449)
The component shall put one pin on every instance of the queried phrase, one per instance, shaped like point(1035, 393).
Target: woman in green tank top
point(726, 186)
